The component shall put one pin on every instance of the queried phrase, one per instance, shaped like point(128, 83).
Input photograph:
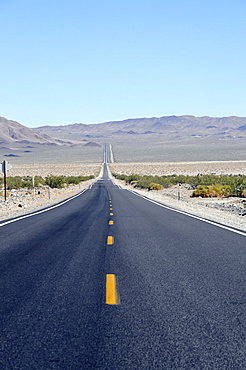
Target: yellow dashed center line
point(111, 292)
point(110, 240)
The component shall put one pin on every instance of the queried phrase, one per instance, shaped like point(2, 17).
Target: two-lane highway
point(110, 280)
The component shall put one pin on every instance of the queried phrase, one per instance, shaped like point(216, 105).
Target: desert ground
point(56, 169)
point(140, 168)
point(180, 168)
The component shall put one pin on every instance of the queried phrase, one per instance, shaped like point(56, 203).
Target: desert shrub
point(143, 182)
point(38, 180)
point(155, 186)
point(14, 182)
point(216, 190)
point(18, 182)
point(226, 191)
point(60, 181)
point(133, 178)
point(77, 179)
point(26, 182)
point(243, 194)
point(72, 180)
point(55, 181)
point(2, 193)
point(201, 191)
point(119, 176)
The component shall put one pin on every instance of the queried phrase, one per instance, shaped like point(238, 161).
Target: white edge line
point(190, 215)
point(43, 210)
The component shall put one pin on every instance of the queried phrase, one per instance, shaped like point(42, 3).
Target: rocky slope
point(14, 132)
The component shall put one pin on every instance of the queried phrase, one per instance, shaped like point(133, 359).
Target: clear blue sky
point(67, 61)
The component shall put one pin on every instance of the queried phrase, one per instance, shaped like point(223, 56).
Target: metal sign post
point(5, 167)
point(5, 180)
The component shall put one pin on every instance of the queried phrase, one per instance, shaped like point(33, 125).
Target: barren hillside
point(11, 132)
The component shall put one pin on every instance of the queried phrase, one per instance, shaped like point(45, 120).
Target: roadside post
point(5, 167)
point(33, 185)
point(179, 190)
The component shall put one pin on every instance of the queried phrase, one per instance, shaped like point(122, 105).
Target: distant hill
point(14, 132)
point(173, 127)
point(91, 143)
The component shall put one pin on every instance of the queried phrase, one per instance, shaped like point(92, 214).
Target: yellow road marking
point(111, 214)
point(111, 292)
point(111, 222)
point(110, 240)
point(111, 209)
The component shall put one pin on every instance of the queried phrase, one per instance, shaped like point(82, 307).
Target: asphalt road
point(110, 280)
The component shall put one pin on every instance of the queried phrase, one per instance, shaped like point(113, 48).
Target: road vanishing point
point(110, 280)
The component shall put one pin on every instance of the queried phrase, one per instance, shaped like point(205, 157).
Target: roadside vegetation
point(203, 185)
point(18, 182)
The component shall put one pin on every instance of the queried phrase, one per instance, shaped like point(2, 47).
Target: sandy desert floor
point(180, 168)
point(148, 168)
point(66, 169)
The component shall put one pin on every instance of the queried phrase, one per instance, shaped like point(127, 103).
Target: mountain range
point(172, 127)
point(168, 138)
point(175, 127)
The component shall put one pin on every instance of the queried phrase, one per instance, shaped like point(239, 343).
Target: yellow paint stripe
point(111, 292)
point(111, 214)
point(111, 222)
point(110, 240)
